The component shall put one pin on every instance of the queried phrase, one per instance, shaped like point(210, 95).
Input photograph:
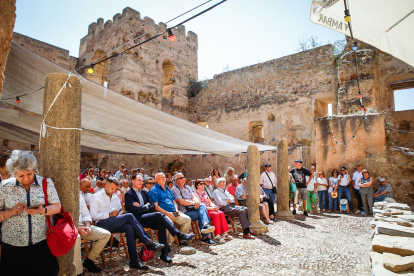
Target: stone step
point(378, 268)
point(396, 263)
point(393, 229)
point(392, 244)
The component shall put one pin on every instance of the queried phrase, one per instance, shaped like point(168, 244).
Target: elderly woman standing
point(22, 211)
point(366, 190)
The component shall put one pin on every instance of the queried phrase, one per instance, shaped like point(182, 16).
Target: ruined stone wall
point(281, 95)
point(7, 19)
point(393, 75)
point(50, 52)
point(368, 148)
point(156, 73)
point(380, 74)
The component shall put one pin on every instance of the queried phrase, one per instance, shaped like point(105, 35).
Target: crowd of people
point(127, 203)
point(314, 187)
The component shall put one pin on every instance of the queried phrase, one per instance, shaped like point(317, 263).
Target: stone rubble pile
point(393, 239)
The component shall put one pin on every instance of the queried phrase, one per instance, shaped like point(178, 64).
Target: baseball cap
point(382, 179)
point(298, 161)
point(267, 165)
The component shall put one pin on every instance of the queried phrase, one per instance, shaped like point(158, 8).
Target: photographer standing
point(268, 182)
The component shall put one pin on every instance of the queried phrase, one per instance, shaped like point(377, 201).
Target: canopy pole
point(253, 190)
point(283, 207)
point(60, 148)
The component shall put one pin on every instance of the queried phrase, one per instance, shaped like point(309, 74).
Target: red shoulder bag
point(62, 236)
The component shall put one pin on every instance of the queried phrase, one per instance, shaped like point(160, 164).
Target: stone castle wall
point(50, 52)
point(156, 73)
point(282, 95)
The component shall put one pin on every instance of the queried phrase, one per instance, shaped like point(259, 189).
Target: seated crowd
point(133, 204)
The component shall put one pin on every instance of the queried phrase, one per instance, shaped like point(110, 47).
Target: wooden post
point(60, 149)
point(283, 210)
point(253, 190)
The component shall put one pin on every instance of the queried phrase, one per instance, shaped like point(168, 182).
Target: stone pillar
point(7, 19)
point(306, 153)
point(60, 149)
point(283, 210)
point(253, 190)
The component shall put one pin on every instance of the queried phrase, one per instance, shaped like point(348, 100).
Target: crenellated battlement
point(128, 15)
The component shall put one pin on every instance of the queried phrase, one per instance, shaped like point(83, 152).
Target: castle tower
point(156, 73)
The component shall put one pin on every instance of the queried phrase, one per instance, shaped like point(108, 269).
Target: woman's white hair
point(228, 169)
point(21, 160)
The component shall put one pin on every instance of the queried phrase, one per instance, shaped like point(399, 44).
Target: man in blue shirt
point(164, 202)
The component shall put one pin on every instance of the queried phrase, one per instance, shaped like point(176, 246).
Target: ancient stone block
point(394, 230)
point(397, 263)
point(402, 246)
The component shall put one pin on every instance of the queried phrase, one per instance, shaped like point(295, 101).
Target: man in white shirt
point(356, 179)
point(225, 201)
point(268, 181)
point(120, 172)
point(106, 210)
point(91, 233)
point(85, 190)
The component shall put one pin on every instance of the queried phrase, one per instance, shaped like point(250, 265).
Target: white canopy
point(384, 24)
point(111, 122)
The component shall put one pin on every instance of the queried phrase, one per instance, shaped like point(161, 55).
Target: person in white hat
point(384, 191)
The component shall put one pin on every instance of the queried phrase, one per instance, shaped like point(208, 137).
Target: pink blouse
point(204, 198)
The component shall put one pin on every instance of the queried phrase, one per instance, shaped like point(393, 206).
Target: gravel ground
point(327, 244)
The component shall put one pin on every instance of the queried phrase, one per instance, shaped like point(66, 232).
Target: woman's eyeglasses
point(202, 183)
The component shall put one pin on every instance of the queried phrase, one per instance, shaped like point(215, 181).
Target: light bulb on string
point(355, 46)
point(171, 35)
point(347, 16)
point(17, 99)
point(90, 70)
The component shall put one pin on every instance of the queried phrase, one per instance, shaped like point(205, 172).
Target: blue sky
point(237, 33)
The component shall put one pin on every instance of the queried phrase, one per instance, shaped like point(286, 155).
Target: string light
point(90, 70)
point(171, 35)
point(90, 66)
point(347, 16)
point(17, 99)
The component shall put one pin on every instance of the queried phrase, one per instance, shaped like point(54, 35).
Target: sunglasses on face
point(151, 183)
point(321, 174)
point(201, 183)
point(342, 170)
point(178, 178)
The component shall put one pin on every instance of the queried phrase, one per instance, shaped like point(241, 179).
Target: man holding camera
point(138, 202)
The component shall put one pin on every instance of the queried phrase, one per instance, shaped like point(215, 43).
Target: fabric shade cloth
point(384, 24)
point(111, 122)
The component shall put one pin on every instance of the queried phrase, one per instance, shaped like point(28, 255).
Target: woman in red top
point(217, 217)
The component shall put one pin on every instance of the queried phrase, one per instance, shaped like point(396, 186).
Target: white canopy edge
point(111, 122)
point(386, 25)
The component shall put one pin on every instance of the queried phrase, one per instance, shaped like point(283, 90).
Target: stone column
point(306, 153)
point(253, 190)
point(283, 210)
point(7, 19)
point(60, 149)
